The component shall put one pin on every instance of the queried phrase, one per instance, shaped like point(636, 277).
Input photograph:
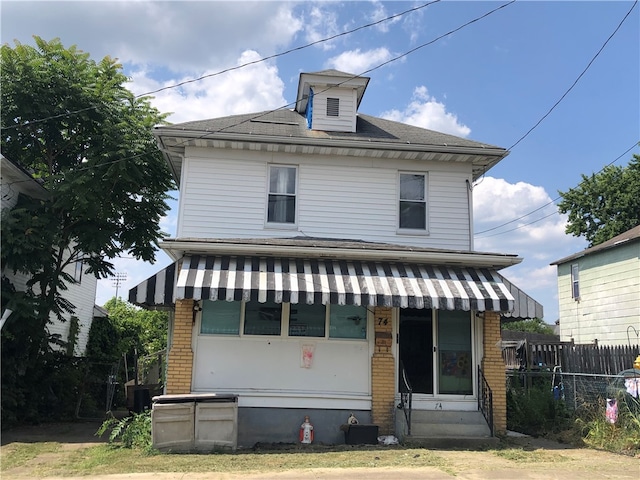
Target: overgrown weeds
point(129, 432)
point(533, 409)
point(598, 431)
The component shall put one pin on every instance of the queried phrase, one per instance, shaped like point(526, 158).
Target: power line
point(238, 67)
point(577, 79)
point(295, 49)
point(398, 57)
point(256, 116)
point(546, 204)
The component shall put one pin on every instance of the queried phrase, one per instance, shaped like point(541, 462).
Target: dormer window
point(333, 107)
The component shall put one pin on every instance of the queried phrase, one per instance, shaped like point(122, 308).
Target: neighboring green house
point(599, 292)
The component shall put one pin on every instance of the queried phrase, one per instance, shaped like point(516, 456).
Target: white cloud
point(380, 13)
point(319, 24)
point(426, 112)
point(357, 61)
point(251, 89)
point(497, 202)
point(181, 36)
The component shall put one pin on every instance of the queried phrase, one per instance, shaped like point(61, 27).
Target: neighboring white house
point(16, 181)
point(322, 256)
point(599, 292)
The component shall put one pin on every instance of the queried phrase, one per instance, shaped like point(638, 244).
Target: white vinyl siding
point(326, 117)
point(609, 296)
point(324, 383)
point(338, 197)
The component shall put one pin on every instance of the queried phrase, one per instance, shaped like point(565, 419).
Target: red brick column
point(180, 363)
point(494, 370)
point(383, 387)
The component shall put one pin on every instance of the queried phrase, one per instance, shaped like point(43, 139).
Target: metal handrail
point(485, 399)
point(406, 397)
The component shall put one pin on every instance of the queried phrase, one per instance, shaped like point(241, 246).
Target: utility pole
point(118, 279)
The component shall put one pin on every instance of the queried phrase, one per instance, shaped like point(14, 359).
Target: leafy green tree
point(144, 331)
point(531, 325)
point(74, 124)
point(605, 204)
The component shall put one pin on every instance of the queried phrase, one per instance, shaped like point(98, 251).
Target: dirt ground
point(541, 459)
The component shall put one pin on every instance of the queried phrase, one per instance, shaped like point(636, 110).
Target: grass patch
point(108, 459)
point(520, 455)
point(18, 454)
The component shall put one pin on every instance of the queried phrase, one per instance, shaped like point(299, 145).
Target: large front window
point(413, 201)
point(276, 319)
point(282, 195)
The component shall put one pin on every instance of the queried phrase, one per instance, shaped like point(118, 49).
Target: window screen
point(220, 318)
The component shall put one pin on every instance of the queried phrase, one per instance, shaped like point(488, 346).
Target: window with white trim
point(292, 320)
point(412, 201)
point(575, 282)
point(77, 273)
point(281, 204)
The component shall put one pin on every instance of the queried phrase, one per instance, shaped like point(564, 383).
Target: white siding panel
point(338, 197)
point(345, 122)
point(273, 365)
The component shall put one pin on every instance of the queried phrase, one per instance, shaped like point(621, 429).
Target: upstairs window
point(77, 273)
point(282, 195)
point(333, 107)
point(575, 282)
point(413, 201)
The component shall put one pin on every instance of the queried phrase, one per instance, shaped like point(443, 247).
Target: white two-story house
point(325, 266)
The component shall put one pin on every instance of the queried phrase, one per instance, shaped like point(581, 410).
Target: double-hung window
point(282, 195)
point(413, 201)
point(575, 282)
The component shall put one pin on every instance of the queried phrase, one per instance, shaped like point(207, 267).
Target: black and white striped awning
point(156, 291)
point(350, 282)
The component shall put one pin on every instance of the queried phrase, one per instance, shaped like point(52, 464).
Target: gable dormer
point(330, 99)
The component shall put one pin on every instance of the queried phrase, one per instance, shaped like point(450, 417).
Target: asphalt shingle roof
point(288, 123)
point(630, 235)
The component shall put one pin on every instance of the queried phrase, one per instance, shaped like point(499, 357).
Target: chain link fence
point(578, 390)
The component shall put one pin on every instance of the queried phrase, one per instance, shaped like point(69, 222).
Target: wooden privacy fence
point(605, 360)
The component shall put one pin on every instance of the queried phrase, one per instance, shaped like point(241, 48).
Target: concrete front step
point(448, 424)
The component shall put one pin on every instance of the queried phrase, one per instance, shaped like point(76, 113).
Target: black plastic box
point(361, 434)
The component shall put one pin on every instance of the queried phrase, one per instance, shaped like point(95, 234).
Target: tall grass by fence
point(577, 390)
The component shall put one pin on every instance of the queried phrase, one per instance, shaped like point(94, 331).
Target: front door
point(416, 348)
point(436, 351)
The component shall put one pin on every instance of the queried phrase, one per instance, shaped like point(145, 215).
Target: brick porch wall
point(383, 387)
point(180, 363)
point(494, 370)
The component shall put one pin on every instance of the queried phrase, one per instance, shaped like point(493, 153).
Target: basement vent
point(333, 107)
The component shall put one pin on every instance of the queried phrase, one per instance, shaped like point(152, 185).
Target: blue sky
point(490, 81)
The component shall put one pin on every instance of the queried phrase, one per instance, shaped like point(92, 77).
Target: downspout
point(470, 207)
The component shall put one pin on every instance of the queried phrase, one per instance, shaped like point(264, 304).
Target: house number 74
point(383, 321)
